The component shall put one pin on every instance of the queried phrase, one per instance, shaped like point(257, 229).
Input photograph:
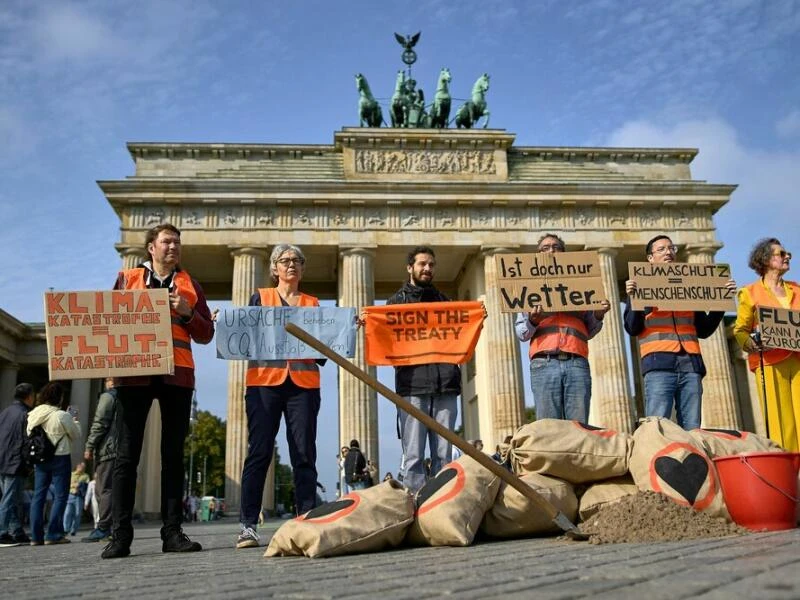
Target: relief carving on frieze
point(340, 218)
point(376, 218)
point(154, 217)
point(443, 218)
point(265, 218)
point(426, 162)
point(410, 219)
point(230, 217)
point(585, 216)
point(192, 217)
point(303, 217)
point(649, 217)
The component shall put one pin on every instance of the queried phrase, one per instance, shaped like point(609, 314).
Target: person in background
point(355, 468)
point(777, 372)
point(275, 389)
point(78, 483)
point(559, 352)
point(63, 430)
point(90, 503)
point(13, 467)
point(101, 447)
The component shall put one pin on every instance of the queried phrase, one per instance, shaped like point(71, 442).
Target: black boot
point(116, 549)
point(174, 540)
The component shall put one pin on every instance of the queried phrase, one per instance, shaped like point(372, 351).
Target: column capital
point(248, 251)
point(366, 250)
point(488, 251)
point(125, 250)
point(711, 247)
point(608, 249)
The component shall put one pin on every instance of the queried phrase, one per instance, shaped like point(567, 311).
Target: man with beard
point(432, 388)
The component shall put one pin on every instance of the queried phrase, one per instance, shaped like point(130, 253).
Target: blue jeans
point(561, 388)
point(10, 503)
point(58, 472)
point(72, 514)
point(444, 409)
point(663, 389)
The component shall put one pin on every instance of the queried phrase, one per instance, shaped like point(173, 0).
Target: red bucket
point(760, 488)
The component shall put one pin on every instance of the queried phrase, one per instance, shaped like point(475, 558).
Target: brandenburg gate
point(358, 205)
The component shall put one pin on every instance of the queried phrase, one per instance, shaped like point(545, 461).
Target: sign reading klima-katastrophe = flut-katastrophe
point(681, 286)
point(780, 328)
point(95, 334)
point(558, 282)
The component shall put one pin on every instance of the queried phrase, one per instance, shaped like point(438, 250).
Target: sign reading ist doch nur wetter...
point(108, 334)
point(558, 282)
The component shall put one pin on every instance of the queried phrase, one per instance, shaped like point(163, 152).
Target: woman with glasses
point(278, 388)
point(777, 372)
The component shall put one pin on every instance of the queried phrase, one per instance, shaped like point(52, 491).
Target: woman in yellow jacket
point(781, 368)
point(276, 388)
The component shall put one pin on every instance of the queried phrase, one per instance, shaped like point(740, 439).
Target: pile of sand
point(652, 517)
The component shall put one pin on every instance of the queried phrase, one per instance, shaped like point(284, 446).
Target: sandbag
point(668, 460)
point(362, 521)
point(727, 442)
point(449, 507)
point(603, 493)
point(569, 450)
point(512, 515)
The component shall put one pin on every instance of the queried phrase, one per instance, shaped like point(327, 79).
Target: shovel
point(559, 518)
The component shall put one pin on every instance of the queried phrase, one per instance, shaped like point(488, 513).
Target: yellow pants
point(782, 383)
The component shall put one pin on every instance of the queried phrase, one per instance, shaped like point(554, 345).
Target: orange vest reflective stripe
point(667, 331)
point(560, 332)
point(181, 342)
point(761, 296)
point(304, 373)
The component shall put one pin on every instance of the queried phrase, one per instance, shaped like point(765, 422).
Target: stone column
point(148, 487)
point(8, 381)
point(611, 396)
point(80, 398)
point(502, 369)
point(719, 399)
point(249, 273)
point(358, 403)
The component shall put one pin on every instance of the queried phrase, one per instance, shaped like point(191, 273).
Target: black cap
point(22, 391)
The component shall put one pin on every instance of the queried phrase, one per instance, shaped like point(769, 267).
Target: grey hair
point(277, 252)
point(761, 254)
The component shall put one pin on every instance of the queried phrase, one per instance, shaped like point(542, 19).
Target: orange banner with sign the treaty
point(422, 333)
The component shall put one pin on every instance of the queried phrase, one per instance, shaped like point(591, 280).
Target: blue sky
point(80, 79)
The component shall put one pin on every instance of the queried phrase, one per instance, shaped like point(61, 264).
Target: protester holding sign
point(672, 365)
point(191, 320)
point(275, 388)
point(433, 388)
point(776, 371)
point(559, 352)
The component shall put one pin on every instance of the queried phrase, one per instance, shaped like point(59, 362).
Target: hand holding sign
point(179, 304)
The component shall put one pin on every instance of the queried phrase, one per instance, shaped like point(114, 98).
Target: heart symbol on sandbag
point(328, 509)
point(687, 477)
point(428, 490)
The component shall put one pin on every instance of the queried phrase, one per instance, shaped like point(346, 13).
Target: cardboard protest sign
point(422, 333)
point(119, 333)
point(558, 282)
point(780, 328)
point(681, 286)
point(258, 333)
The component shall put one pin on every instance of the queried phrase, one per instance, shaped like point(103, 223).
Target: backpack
point(38, 447)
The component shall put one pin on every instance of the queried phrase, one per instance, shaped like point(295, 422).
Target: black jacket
point(354, 466)
point(13, 420)
point(433, 378)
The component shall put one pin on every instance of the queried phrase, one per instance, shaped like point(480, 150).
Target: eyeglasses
point(291, 261)
point(551, 248)
point(665, 249)
point(782, 254)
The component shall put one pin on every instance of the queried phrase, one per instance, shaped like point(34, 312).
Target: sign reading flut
point(108, 333)
point(681, 286)
point(780, 328)
point(558, 282)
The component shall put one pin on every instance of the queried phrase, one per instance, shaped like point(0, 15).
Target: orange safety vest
point(762, 296)
point(560, 332)
point(304, 372)
point(181, 342)
point(668, 331)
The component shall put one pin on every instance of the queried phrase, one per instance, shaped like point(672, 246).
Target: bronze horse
point(472, 110)
point(369, 111)
point(440, 110)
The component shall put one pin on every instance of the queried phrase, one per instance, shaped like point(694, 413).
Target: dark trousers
point(133, 407)
point(265, 406)
point(103, 474)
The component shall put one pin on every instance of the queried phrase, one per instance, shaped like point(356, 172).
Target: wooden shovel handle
point(485, 461)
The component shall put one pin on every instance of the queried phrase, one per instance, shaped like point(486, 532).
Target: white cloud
point(789, 126)
point(67, 32)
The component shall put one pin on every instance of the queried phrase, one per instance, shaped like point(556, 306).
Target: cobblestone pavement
point(765, 565)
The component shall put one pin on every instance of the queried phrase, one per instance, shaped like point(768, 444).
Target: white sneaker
point(248, 538)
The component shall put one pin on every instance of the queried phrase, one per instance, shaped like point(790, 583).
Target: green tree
point(530, 414)
point(284, 485)
point(207, 436)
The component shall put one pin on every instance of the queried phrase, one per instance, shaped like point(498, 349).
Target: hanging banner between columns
point(257, 332)
point(681, 286)
point(558, 282)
